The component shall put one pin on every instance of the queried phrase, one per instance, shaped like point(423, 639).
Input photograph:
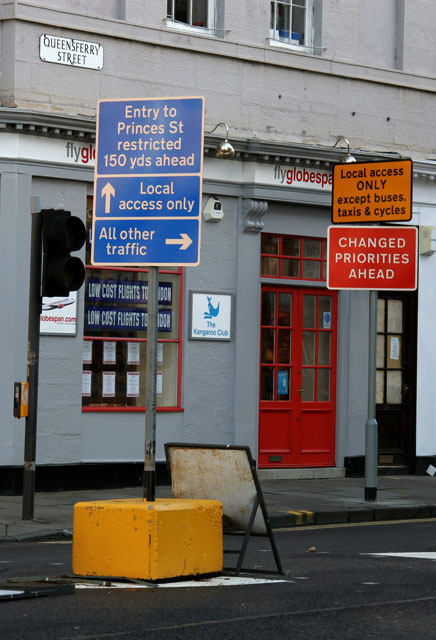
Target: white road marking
point(221, 581)
point(423, 555)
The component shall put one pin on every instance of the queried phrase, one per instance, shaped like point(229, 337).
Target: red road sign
point(373, 258)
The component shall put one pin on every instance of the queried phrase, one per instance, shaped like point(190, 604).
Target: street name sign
point(148, 180)
point(372, 192)
point(372, 258)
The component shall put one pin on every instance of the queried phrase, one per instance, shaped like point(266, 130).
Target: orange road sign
point(372, 192)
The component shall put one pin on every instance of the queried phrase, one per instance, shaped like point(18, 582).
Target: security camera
point(213, 210)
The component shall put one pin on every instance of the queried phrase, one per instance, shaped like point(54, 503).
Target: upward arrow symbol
point(106, 193)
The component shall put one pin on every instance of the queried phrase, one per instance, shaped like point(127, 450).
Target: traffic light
point(61, 234)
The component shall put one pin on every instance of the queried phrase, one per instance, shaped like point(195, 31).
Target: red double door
point(297, 377)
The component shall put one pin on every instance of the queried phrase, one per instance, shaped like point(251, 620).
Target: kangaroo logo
point(212, 311)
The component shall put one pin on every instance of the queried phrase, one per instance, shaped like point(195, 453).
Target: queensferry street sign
point(372, 192)
point(372, 258)
point(148, 182)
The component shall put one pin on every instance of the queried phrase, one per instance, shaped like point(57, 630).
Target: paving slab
point(290, 503)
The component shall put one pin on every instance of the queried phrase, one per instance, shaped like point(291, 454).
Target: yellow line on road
point(354, 524)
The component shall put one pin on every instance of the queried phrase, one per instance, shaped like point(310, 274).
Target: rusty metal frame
point(258, 502)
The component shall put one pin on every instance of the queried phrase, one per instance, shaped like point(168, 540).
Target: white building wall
point(425, 215)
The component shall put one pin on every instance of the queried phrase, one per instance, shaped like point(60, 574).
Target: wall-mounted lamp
point(224, 150)
point(348, 158)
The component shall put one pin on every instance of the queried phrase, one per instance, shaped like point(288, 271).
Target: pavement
point(290, 503)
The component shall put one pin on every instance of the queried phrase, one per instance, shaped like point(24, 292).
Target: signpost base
point(370, 494)
point(140, 540)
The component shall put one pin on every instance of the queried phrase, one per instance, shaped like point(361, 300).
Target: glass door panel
point(284, 346)
point(308, 385)
point(309, 311)
point(285, 310)
point(308, 347)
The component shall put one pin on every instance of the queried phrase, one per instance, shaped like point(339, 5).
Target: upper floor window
point(291, 22)
point(191, 13)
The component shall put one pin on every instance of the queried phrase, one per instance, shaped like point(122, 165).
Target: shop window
point(291, 22)
point(293, 257)
point(115, 337)
point(191, 13)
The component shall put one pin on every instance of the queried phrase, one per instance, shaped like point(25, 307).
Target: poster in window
point(395, 348)
point(282, 383)
point(326, 320)
point(108, 384)
point(133, 353)
point(132, 384)
point(160, 353)
point(86, 383)
point(159, 384)
point(87, 352)
point(109, 352)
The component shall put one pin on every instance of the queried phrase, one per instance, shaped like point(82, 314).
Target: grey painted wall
point(208, 383)
point(14, 241)
point(60, 388)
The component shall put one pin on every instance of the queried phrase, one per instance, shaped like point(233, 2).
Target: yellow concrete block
point(133, 538)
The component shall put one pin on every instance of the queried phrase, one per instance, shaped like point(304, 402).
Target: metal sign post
point(149, 477)
point(371, 427)
point(35, 303)
point(147, 207)
point(365, 257)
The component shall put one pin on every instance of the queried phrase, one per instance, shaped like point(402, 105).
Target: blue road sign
point(138, 241)
point(142, 197)
point(147, 189)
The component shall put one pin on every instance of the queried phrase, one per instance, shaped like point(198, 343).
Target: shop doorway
point(396, 378)
point(297, 377)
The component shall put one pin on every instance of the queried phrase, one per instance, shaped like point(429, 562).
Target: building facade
point(253, 348)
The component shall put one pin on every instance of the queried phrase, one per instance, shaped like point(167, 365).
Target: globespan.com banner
point(59, 315)
point(124, 319)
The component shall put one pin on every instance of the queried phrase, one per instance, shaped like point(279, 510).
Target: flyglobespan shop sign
point(71, 52)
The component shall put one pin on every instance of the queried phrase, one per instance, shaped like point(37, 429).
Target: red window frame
point(178, 341)
point(281, 255)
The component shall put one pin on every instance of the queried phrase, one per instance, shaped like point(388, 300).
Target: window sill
point(289, 46)
point(186, 28)
point(130, 409)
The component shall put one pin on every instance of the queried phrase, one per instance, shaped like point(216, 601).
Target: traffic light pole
point(149, 477)
point(35, 304)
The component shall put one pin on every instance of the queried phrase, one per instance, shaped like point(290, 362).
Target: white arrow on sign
point(107, 192)
point(184, 242)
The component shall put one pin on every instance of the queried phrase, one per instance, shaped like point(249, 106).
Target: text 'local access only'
point(372, 192)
